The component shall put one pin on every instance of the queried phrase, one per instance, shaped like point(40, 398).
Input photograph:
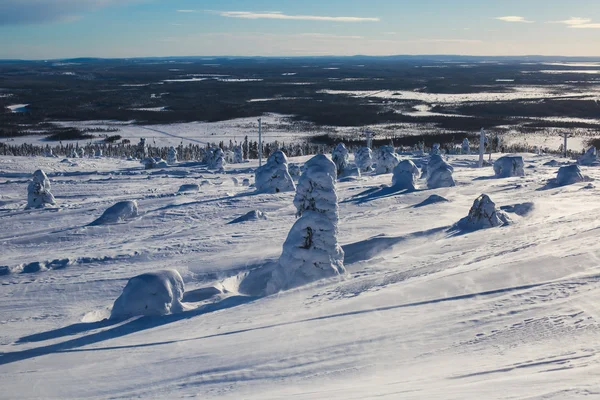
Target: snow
point(508, 312)
point(38, 191)
point(589, 157)
point(18, 108)
point(151, 294)
point(119, 212)
point(439, 173)
point(482, 215)
point(386, 159)
point(509, 166)
point(405, 175)
point(189, 187)
point(364, 159)
point(569, 174)
point(274, 177)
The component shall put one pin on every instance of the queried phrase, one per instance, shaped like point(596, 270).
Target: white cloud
point(18, 12)
point(578, 23)
point(514, 18)
point(280, 15)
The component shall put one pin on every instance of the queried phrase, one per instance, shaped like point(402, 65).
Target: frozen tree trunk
point(38, 191)
point(274, 177)
point(172, 156)
point(311, 250)
point(509, 166)
point(405, 175)
point(364, 159)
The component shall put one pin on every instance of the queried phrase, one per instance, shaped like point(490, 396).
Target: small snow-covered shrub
point(150, 294)
point(119, 212)
point(482, 215)
point(172, 156)
point(569, 174)
point(439, 173)
point(311, 250)
point(405, 175)
point(386, 159)
point(38, 191)
point(509, 166)
point(274, 177)
point(589, 157)
point(363, 158)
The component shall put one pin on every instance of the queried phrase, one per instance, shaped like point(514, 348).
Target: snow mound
point(569, 174)
point(311, 250)
point(589, 157)
point(482, 215)
point(253, 215)
point(439, 173)
point(433, 199)
point(121, 211)
point(38, 191)
point(150, 294)
point(509, 166)
point(154, 162)
point(274, 177)
point(386, 159)
point(189, 187)
point(405, 175)
point(363, 158)
point(552, 163)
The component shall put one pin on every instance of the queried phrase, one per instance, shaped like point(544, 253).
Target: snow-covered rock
point(509, 166)
point(119, 212)
point(483, 214)
point(38, 191)
point(150, 294)
point(189, 187)
point(405, 175)
point(274, 177)
point(439, 173)
point(386, 159)
point(172, 156)
point(311, 250)
point(569, 174)
point(363, 157)
point(253, 215)
point(589, 157)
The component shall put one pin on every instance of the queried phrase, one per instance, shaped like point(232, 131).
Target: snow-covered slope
point(424, 312)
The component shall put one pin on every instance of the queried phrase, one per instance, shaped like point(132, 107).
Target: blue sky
point(39, 29)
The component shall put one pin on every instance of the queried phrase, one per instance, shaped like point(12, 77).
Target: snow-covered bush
point(238, 154)
point(172, 156)
point(311, 250)
point(151, 294)
point(119, 212)
point(569, 174)
point(508, 166)
point(466, 146)
point(363, 158)
point(386, 159)
point(274, 177)
point(589, 157)
point(405, 175)
point(439, 173)
point(38, 191)
point(483, 214)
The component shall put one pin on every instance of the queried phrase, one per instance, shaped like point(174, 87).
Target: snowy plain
point(423, 312)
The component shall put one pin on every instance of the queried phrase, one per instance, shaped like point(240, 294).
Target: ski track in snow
point(423, 312)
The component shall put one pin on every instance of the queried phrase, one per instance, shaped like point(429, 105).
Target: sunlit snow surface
point(424, 313)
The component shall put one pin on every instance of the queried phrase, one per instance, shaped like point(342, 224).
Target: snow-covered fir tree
point(363, 157)
point(273, 176)
point(38, 191)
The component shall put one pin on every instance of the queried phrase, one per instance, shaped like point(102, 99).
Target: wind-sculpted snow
point(120, 212)
point(273, 177)
point(405, 175)
point(151, 294)
point(38, 191)
point(189, 187)
point(509, 166)
point(439, 173)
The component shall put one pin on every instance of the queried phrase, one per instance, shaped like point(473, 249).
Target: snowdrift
point(119, 212)
point(509, 166)
point(589, 158)
point(150, 294)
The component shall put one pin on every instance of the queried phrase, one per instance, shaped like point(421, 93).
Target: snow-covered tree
point(435, 150)
point(483, 214)
point(142, 149)
point(509, 166)
point(98, 153)
point(589, 157)
point(38, 191)
point(466, 146)
point(238, 154)
point(215, 158)
point(439, 173)
point(274, 177)
point(405, 175)
point(386, 159)
point(311, 250)
point(172, 156)
point(81, 152)
point(363, 157)
point(340, 158)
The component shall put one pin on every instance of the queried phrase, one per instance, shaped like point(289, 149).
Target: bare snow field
point(424, 311)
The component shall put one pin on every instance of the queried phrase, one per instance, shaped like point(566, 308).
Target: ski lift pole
point(259, 142)
point(565, 144)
